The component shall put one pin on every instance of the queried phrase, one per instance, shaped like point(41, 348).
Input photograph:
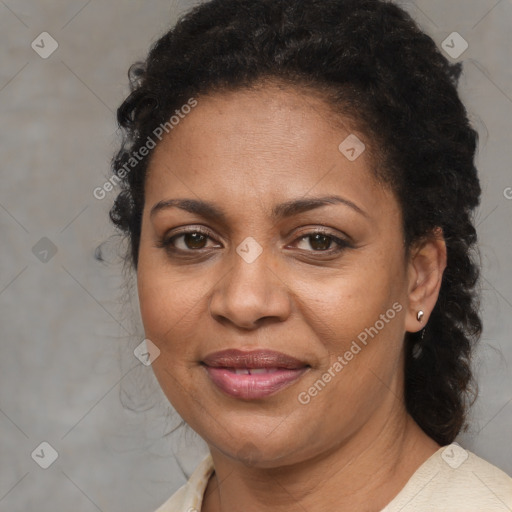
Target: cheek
point(167, 299)
point(358, 318)
point(169, 306)
point(346, 302)
point(157, 303)
point(173, 310)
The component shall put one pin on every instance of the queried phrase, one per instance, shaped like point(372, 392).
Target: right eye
point(189, 240)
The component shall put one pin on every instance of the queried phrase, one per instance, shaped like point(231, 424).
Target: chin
point(259, 453)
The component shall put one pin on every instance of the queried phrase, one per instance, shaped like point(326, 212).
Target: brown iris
point(319, 241)
point(194, 240)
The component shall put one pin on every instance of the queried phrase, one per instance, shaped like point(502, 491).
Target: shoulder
point(189, 497)
point(454, 479)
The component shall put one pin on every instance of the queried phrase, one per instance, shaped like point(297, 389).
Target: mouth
point(253, 375)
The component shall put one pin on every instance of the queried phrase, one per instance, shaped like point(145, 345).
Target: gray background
point(68, 329)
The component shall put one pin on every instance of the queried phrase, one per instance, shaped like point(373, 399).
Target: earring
point(418, 348)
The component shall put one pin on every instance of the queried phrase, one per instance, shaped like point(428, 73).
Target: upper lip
point(233, 358)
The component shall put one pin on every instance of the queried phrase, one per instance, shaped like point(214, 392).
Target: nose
point(251, 294)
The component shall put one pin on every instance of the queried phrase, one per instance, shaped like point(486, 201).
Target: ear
point(426, 265)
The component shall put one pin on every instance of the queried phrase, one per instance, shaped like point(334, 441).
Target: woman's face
point(263, 278)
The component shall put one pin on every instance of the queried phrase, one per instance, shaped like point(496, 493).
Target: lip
point(233, 358)
point(230, 371)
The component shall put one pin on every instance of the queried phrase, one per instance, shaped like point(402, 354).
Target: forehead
point(273, 142)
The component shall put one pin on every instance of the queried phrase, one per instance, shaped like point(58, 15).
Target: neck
point(363, 473)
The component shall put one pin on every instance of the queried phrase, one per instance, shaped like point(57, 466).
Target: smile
point(253, 375)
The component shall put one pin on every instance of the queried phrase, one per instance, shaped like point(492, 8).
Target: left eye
point(322, 241)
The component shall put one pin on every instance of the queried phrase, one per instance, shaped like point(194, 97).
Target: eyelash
point(167, 242)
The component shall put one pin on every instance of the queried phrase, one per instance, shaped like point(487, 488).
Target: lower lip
point(252, 387)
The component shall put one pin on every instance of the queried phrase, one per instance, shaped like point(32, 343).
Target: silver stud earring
point(418, 348)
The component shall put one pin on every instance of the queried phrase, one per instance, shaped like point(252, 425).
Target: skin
point(353, 446)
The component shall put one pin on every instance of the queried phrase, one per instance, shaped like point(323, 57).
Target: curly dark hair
point(371, 62)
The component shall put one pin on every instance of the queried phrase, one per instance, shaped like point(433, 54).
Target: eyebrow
point(281, 211)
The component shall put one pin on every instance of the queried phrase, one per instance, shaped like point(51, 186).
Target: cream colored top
point(451, 480)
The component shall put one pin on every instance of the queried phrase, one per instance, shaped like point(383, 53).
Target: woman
point(298, 187)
